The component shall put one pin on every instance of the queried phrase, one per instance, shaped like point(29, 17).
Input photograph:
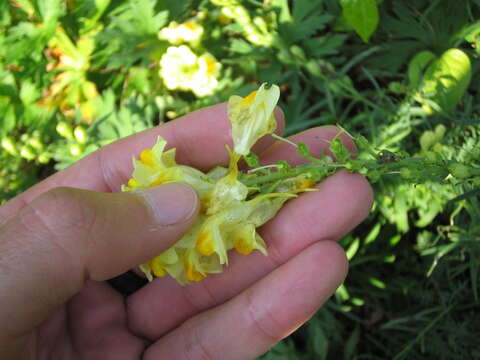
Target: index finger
point(200, 138)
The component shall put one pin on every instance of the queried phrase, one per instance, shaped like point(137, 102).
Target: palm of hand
point(236, 315)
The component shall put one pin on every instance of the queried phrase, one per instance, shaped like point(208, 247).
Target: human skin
point(61, 239)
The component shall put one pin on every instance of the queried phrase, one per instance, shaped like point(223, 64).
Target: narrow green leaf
point(351, 344)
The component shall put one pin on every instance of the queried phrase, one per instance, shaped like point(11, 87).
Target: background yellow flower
point(182, 69)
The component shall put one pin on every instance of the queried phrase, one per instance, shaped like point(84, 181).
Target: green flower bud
point(438, 148)
point(171, 114)
point(427, 140)
point(80, 135)
point(65, 130)
point(44, 158)
point(298, 52)
point(260, 23)
point(35, 142)
point(27, 152)
point(440, 131)
point(9, 146)
point(75, 150)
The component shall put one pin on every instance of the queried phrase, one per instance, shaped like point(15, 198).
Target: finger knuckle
point(195, 347)
point(261, 320)
point(63, 212)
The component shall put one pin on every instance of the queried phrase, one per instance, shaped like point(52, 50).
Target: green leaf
point(283, 9)
point(446, 80)
point(362, 15)
point(417, 66)
point(176, 8)
point(28, 92)
point(351, 344)
point(4, 13)
point(7, 118)
point(240, 46)
point(49, 9)
point(325, 45)
point(307, 18)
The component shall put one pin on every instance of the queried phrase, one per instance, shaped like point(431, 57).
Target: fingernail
point(171, 203)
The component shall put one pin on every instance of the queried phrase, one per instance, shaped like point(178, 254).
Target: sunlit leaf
point(446, 79)
point(362, 15)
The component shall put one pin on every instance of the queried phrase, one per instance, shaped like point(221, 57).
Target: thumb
point(67, 236)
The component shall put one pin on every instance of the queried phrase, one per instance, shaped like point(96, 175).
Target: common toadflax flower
point(188, 32)
point(182, 69)
point(230, 210)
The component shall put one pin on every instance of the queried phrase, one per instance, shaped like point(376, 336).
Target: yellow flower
point(157, 166)
point(178, 65)
point(227, 189)
point(297, 185)
point(181, 69)
point(234, 226)
point(228, 218)
point(252, 117)
point(246, 239)
point(160, 263)
point(175, 33)
point(210, 239)
point(205, 79)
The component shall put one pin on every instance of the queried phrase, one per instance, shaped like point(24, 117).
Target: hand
point(62, 238)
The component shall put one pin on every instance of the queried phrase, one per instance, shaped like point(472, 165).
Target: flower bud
point(427, 140)
point(35, 142)
point(298, 52)
point(260, 23)
point(75, 149)
point(44, 158)
point(27, 152)
point(89, 90)
point(65, 130)
point(80, 134)
point(440, 131)
point(438, 148)
point(9, 146)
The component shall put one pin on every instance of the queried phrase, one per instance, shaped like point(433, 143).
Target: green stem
point(251, 180)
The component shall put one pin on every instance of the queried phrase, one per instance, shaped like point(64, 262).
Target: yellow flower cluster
point(182, 69)
point(230, 213)
point(187, 32)
point(254, 29)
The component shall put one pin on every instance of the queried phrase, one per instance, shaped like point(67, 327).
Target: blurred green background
point(78, 74)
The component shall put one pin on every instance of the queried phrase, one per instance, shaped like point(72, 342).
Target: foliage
point(78, 74)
